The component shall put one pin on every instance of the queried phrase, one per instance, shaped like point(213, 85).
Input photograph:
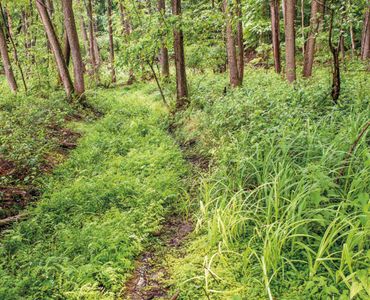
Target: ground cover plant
point(282, 213)
point(34, 137)
point(184, 149)
point(99, 206)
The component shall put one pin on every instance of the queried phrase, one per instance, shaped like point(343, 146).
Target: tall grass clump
point(99, 208)
point(283, 212)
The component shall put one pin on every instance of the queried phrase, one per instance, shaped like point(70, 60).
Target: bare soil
point(15, 197)
point(149, 280)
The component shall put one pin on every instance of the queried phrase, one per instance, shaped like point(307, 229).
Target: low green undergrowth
point(26, 132)
point(99, 208)
point(281, 214)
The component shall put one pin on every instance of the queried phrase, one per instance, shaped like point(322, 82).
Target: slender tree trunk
point(230, 47)
point(93, 59)
point(275, 28)
point(342, 48)
point(181, 82)
point(15, 52)
point(302, 28)
point(83, 31)
point(316, 18)
point(66, 48)
point(10, 21)
point(353, 42)
point(165, 66)
point(290, 6)
point(71, 30)
point(240, 42)
point(126, 25)
point(96, 45)
point(365, 45)
point(6, 61)
point(336, 82)
point(126, 31)
point(111, 43)
point(56, 48)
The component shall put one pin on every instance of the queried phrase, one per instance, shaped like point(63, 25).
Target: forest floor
point(107, 215)
point(197, 205)
point(151, 275)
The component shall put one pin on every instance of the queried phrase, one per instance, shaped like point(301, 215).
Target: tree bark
point(240, 42)
point(66, 48)
point(353, 42)
point(275, 28)
point(6, 61)
point(74, 44)
point(164, 51)
point(181, 82)
point(230, 47)
point(56, 48)
point(316, 18)
point(15, 52)
point(111, 42)
point(92, 51)
point(336, 81)
point(365, 42)
point(290, 6)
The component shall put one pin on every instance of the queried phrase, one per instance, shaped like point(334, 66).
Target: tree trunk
point(6, 61)
point(15, 52)
point(96, 45)
point(342, 48)
point(365, 45)
point(70, 26)
point(316, 17)
point(83, 31)
point(126, 31)
point(290, 40)
point(164, 51)
point(336, 84)
point(56, 48)
point(353, 42)
point(275, 28)
point(66, 48)
point(240, 42)
point(230, 47)
point(93, 58)
point(111, 42)
point(181, 83)
point(302, 27)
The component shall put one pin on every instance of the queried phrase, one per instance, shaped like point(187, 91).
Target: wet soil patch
point(149, 280)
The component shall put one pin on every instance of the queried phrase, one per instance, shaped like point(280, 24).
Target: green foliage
point(99, 207)
point(275, 217)
point(26, 135)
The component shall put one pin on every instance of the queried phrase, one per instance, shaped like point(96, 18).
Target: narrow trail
point(150, 277)
point(149, 280)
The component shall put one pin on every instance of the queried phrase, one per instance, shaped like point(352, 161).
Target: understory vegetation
point(99, 207)
point(185, 149)
point(284, 211)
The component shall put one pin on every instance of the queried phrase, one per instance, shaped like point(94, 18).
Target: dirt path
point(149, 280)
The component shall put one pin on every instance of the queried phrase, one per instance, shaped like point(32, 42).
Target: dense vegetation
point(125, 125)
point(274, 213)
point(98, 208)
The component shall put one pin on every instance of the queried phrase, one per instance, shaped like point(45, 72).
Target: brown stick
point(175, 296)
point(10, 220)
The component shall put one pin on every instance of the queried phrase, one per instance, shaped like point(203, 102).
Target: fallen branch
point(175, 296)
point(12, 219)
